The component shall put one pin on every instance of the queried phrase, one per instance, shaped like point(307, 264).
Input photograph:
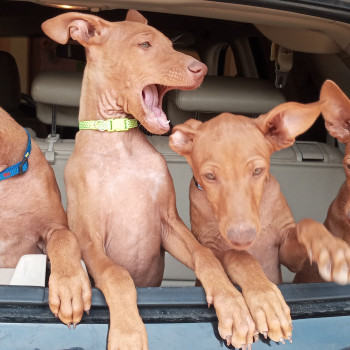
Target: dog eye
point(257, 171)
point(145, 45)
point(210, 176)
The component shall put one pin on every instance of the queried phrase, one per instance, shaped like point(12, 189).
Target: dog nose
point(242, 238)
point(197, 67)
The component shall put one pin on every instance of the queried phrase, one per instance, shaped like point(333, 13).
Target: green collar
point(110, 125)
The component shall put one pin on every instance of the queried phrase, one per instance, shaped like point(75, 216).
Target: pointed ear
point(135, 16)
point(86, 29)
point(285, 122)
point(181, 139)
point(336, 111)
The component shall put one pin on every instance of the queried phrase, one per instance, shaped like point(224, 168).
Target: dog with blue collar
point(33, 221)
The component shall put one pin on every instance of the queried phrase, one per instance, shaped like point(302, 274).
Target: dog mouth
point(152, 97)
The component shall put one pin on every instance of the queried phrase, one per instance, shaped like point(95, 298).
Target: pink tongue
point(150, 97)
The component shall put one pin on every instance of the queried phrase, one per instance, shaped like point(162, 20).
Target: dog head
point(130, 65)
point(230, 159)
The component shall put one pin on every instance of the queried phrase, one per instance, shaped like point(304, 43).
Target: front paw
point(236, 326)
point(331, 253)
point(127, 333)
point(332, 256)
point(69, 295)
point(270, 312)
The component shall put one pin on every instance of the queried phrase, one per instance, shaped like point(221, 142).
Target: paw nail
point(56, 315)
point(291, 326)
point(228, 340)
point(265, 335)
point(282, 341)
point(87, 312)
point(74, 325)
point(310, 256)
point(290, 339)
point(69, 325)
point(256, 338)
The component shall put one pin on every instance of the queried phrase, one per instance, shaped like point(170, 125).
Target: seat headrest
point(230, 94)
point(10, 86)
point(58, 88)
point(61, 89)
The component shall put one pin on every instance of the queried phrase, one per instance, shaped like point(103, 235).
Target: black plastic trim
point(20, 304)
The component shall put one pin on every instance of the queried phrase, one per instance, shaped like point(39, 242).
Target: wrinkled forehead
point(231, 136)
point(135, 31)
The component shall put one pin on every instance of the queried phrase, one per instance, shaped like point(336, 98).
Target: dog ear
point(181, 139)
point(336, 111)
point(86, 29)
point(285, 122)
point(135, 16)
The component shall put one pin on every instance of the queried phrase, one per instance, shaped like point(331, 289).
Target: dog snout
point(242, 238)
point(198, 68)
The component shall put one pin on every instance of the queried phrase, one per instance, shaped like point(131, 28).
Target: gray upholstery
point(237, 95)
point(61, 89)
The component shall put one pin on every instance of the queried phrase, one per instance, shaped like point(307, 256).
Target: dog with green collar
point(121, 198)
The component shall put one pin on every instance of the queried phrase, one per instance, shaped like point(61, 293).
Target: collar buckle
point(23, 165)
point(100, 125)
point(120, 124)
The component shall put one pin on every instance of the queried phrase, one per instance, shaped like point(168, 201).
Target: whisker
point(176, 38)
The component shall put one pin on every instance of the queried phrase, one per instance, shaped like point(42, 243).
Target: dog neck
point(99, 100)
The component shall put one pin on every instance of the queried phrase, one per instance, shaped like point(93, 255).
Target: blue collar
point(197, 184)
point(21, 166)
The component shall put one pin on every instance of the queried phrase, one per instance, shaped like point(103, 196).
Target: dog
point(336, 112)
point(238, 211)
point(121, 198)
point(34, 221)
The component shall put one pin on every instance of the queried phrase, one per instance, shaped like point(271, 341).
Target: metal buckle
point(98, 126)
point(281, 79)
point(21, 165)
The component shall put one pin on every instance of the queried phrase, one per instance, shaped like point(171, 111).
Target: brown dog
point(121, 199)
point(34, 221)
point(240, 213)
point(336, 112)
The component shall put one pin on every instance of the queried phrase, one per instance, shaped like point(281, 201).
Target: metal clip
point(281, 78)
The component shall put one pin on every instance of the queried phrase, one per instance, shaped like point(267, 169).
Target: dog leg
point(126, 330)
point(235, 323)
point(267, 306)
point(69, 286)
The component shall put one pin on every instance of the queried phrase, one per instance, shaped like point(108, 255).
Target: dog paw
point(69, 295)
point(236, 326)
point(127, 334)
point(270, 312)
point(330, 253)
point(333, 260)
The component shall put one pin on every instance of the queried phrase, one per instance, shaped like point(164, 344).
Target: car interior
point(257, 58)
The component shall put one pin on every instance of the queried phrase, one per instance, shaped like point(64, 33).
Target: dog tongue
point(150, 94)
point(151, 99)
